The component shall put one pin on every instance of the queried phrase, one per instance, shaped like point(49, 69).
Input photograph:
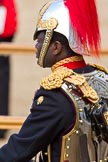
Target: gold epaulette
point(99, 68)
point(87, 91)
point(55, 79)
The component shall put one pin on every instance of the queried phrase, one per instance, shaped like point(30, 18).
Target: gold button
point(68, 147)
point(77, 131)
point(81, 121)
point(67, 155)
point(81, 110)
point(68, 139)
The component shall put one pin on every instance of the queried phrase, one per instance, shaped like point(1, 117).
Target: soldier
point(68, 121)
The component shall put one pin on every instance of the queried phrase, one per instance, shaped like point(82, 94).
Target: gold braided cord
point(45, 46)
point(55, 79)
point(66, 60)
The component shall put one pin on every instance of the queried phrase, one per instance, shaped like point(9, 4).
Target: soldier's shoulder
point(55, 79)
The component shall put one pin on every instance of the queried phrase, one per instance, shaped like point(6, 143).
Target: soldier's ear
point(57, 47)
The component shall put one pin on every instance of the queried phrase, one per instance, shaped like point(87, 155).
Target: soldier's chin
point(39, 63)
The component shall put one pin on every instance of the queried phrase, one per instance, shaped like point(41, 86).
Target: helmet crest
point(84, 19)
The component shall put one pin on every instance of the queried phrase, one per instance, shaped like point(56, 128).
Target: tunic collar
point(70, 62)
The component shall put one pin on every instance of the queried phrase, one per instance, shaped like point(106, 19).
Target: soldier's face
point(48, 60)
point(38, 45)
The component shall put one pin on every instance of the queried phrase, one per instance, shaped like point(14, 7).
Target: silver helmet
point(54, 16)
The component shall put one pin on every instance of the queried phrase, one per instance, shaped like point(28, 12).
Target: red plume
point(84, 19)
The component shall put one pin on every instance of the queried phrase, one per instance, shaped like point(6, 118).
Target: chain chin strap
point(47, 40)
point(50, 25)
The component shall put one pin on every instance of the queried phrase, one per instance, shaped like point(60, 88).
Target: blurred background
point(25, 74)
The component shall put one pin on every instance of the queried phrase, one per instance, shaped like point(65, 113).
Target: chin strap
point(50, 24)
point(45, 46)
